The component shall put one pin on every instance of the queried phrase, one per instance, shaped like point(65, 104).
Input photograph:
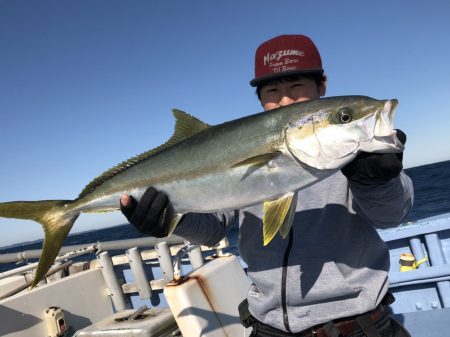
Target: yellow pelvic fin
point(278, 216)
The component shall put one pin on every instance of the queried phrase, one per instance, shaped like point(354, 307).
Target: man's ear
point(323, 86)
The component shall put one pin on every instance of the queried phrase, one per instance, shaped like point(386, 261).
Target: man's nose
point(286, 100)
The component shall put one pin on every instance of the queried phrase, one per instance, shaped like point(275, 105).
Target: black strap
point(331, 330)
point(364, 321)
point(388, 299)
point(367, 325)
point(246, 318)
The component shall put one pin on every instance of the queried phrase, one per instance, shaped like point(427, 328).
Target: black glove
point(375, 168)
point(152, 214)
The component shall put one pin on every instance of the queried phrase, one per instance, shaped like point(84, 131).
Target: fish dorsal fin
point(278, 216)
point(186, 126)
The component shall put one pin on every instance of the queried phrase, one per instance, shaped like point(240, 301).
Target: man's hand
point(375, 168)
point(151, 215)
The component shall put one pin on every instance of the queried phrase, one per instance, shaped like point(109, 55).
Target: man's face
point(278, 94)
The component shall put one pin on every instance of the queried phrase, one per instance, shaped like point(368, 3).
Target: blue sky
point(87, 84)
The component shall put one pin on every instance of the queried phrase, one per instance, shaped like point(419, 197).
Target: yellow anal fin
point(97, 211)
point(174, 222)
point(278, 216)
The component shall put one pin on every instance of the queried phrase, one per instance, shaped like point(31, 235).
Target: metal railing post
point(115, 290)
point(137, 268)
point(165, 260)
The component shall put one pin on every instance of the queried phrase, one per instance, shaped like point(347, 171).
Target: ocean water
point(432, 197)
point(431, 190)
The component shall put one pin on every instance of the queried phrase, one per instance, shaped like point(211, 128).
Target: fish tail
point(56, 219)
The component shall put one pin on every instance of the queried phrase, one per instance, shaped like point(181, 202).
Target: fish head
point(338, 129)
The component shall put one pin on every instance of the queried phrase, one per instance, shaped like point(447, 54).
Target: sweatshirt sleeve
point(385, 205)
point(205, 228)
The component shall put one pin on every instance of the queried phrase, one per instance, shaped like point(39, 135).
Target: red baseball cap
point(286, 55)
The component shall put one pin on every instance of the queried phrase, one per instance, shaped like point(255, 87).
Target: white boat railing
point(100, 246)
point(31, 266)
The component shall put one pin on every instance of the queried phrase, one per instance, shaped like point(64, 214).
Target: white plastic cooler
point(205, 302)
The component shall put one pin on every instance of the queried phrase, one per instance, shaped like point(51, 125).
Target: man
point(329, 276)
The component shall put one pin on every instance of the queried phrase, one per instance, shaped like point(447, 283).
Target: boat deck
point(121, 287)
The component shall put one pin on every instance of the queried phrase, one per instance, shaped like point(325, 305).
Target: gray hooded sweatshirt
point(333, 264)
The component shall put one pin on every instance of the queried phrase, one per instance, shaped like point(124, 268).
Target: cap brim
point(267, 78)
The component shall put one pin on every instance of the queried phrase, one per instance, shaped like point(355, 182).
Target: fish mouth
point(384, 134)
point(385, 120)
point(379, 128)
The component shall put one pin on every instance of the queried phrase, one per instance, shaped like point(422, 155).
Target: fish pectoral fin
point(278, 216)
point(258, 161)
point(255, 162)
point(174, 222)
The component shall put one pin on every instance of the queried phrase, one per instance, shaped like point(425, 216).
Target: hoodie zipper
point(284, 281)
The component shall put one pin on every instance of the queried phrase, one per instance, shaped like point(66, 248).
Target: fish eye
point(345, 115)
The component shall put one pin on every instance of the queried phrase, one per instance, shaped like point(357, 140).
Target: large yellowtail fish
point(263, 158)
